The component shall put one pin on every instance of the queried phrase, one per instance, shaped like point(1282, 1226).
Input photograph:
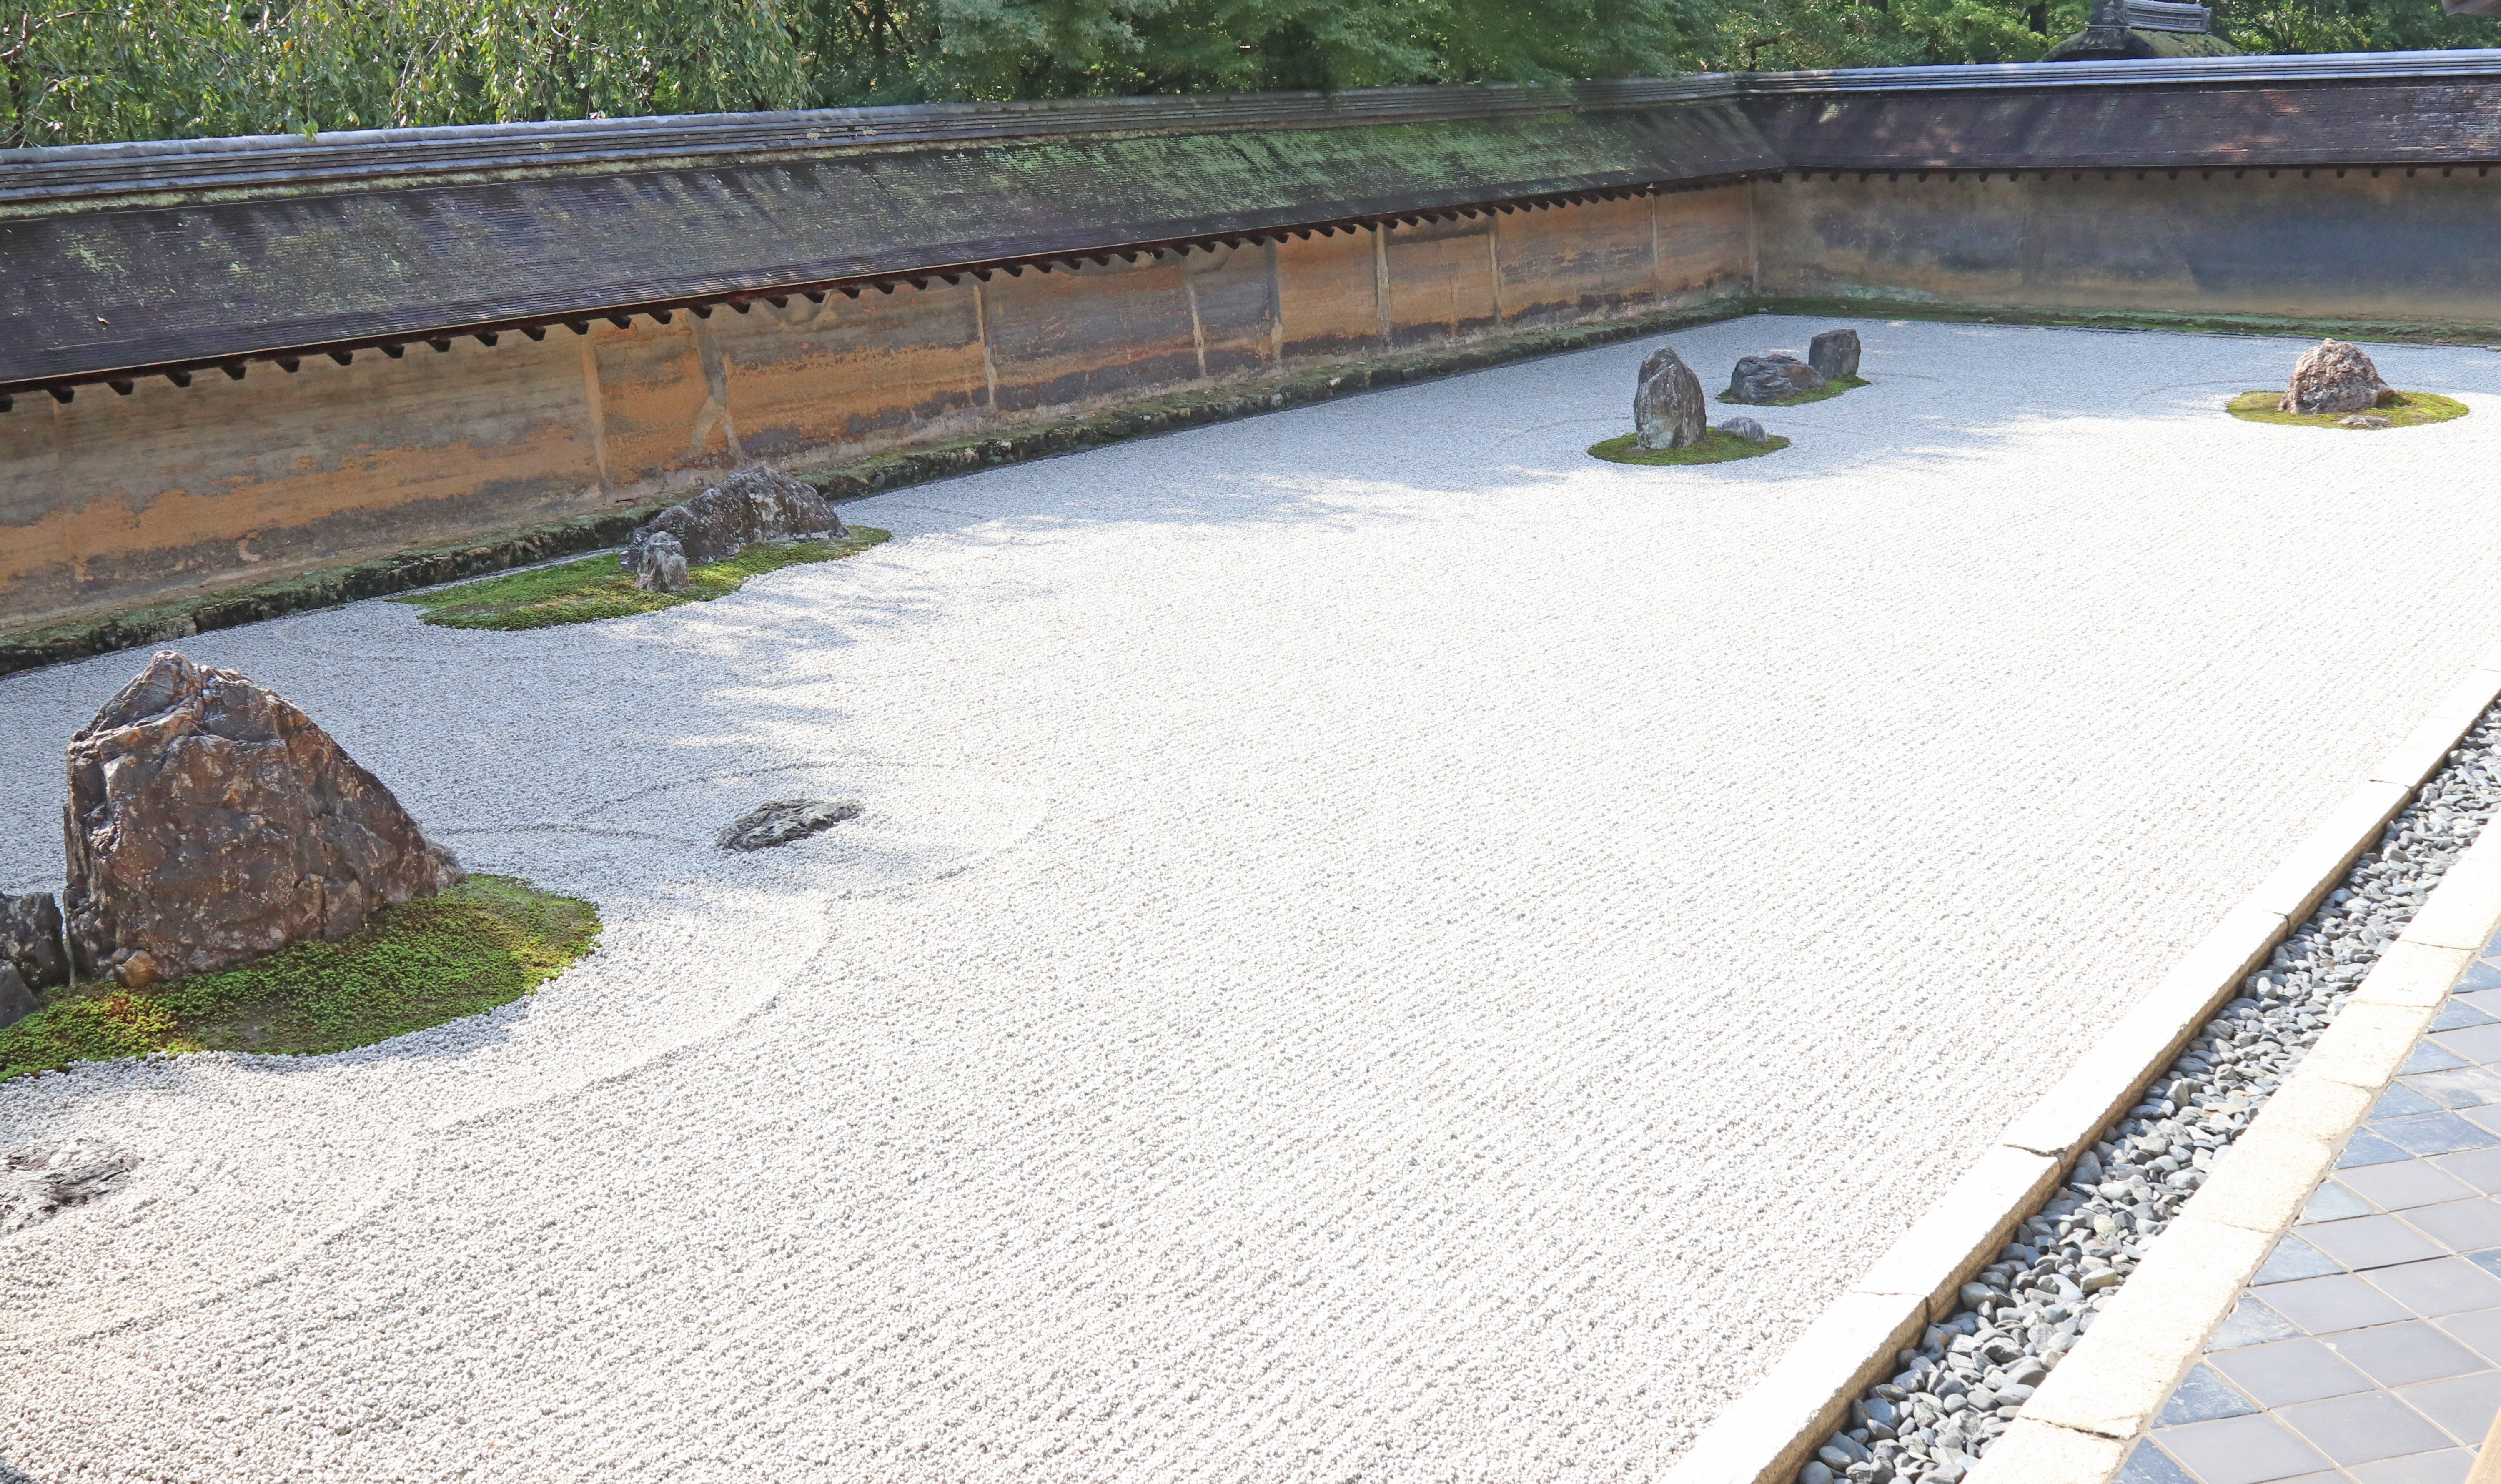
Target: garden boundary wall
point(234, 362)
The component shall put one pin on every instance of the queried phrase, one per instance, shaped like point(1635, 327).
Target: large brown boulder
point(2334, 377)
point(752, 505)
point(210, 821)
point(1667, 403)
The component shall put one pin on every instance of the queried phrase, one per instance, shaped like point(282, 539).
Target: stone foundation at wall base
point(179, 617)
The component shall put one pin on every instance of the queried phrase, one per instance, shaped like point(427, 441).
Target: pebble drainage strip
point(1971, 1375)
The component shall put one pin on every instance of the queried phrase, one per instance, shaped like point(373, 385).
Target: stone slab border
point(2076, 1427)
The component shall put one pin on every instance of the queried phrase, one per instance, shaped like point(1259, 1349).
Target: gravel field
point(1376, 947)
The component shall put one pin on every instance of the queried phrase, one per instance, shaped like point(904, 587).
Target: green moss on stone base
point(1824, 393)
point(2411, 409)
point(1715, 447)
point(483, 943)
point(597, 587)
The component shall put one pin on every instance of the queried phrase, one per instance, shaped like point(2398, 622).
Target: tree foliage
point(77, 71)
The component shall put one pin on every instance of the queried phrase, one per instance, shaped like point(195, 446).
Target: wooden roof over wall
point(123, 260)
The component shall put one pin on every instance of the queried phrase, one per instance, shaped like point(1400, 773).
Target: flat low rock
point(1772, 377)
point(752, 505)
point(786, 820)
point(1668, 411)
point(1747, 428)
point(2335, 377)
point(209, 822)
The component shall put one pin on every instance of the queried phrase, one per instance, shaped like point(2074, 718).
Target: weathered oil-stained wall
point(2391, 245)
point(109, 500)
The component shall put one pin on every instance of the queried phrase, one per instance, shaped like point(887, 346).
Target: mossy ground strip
point(595, 588)
point(1715, 447)
point(483, 943)
point(1824, 393)
point(2411, 409)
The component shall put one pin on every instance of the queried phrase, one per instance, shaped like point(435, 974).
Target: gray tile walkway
point(2367, 1350)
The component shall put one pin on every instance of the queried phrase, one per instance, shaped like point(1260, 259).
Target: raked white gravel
point(1379, 947)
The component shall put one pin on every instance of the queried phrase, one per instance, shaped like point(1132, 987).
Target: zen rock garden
point(1670, 413)
point(751, 507)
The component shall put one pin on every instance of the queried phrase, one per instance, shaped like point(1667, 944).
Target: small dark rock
point(1747, 428)
point(1834, 354)
point(30, 939)
point(1667, 403)
point(16, 1001)
point(752, 505)
point(1772, 377)
point(660, 563)
point(786, 820)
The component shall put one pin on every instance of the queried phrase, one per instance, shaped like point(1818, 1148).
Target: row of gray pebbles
point(1970, 1376)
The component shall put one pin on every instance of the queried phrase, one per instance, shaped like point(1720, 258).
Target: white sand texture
point(1379, 947)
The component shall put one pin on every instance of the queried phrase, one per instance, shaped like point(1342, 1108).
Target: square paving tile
point(2287, 1372)
point(2442, 1286)
point(2367, 1148)
point(2204, 1396)
point(2450, 1465)
point(2332, 1201)
point(2468, 1087)
point(2341, 1301)
point(2489, 998)
point(2485, 1119)
point(2430, 1133)
point(2460, 1225)
point(2256, 1449)
point(2364, 1429)
point(2480, 1169)
point(2479, 1329)
point(2489, 1260)
point(2431, 1056)
point(2463, 1404)
point(2480, 1044)
point(2412, 1183)
point(2252, 1323)
point(2401, 1355)
point(2374, 1241)
point(2293, 1259)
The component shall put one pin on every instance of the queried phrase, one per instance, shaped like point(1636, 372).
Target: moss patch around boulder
point(596, 587)
point(1715, 447)
point(2411, 409)
point(483, 943)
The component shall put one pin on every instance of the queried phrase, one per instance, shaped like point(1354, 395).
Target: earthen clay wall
point(111, 500)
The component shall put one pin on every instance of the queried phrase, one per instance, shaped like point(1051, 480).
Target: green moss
point(595, 588)
point(1824, 393)
point(1715, 447)
point(483, 943)
point(2411, 409)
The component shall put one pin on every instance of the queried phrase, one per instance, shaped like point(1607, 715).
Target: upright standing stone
point(752, 505)
point(660, 562)
point(1667, 403)
point(1772, 377)
point(30, 939)
point(2334, 377)
point(1834, 354)
point(210, 821)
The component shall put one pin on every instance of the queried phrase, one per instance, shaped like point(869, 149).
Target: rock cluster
point(1834, 354)
point(1667, 403)
point(1772, 377)
point(752, 505)
point(786, 820)
point(2334, 377)
point(1969, 1377)
point(210, 821)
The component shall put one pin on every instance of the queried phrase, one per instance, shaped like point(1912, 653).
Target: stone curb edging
point(2077, 1426)
point(178, 619)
